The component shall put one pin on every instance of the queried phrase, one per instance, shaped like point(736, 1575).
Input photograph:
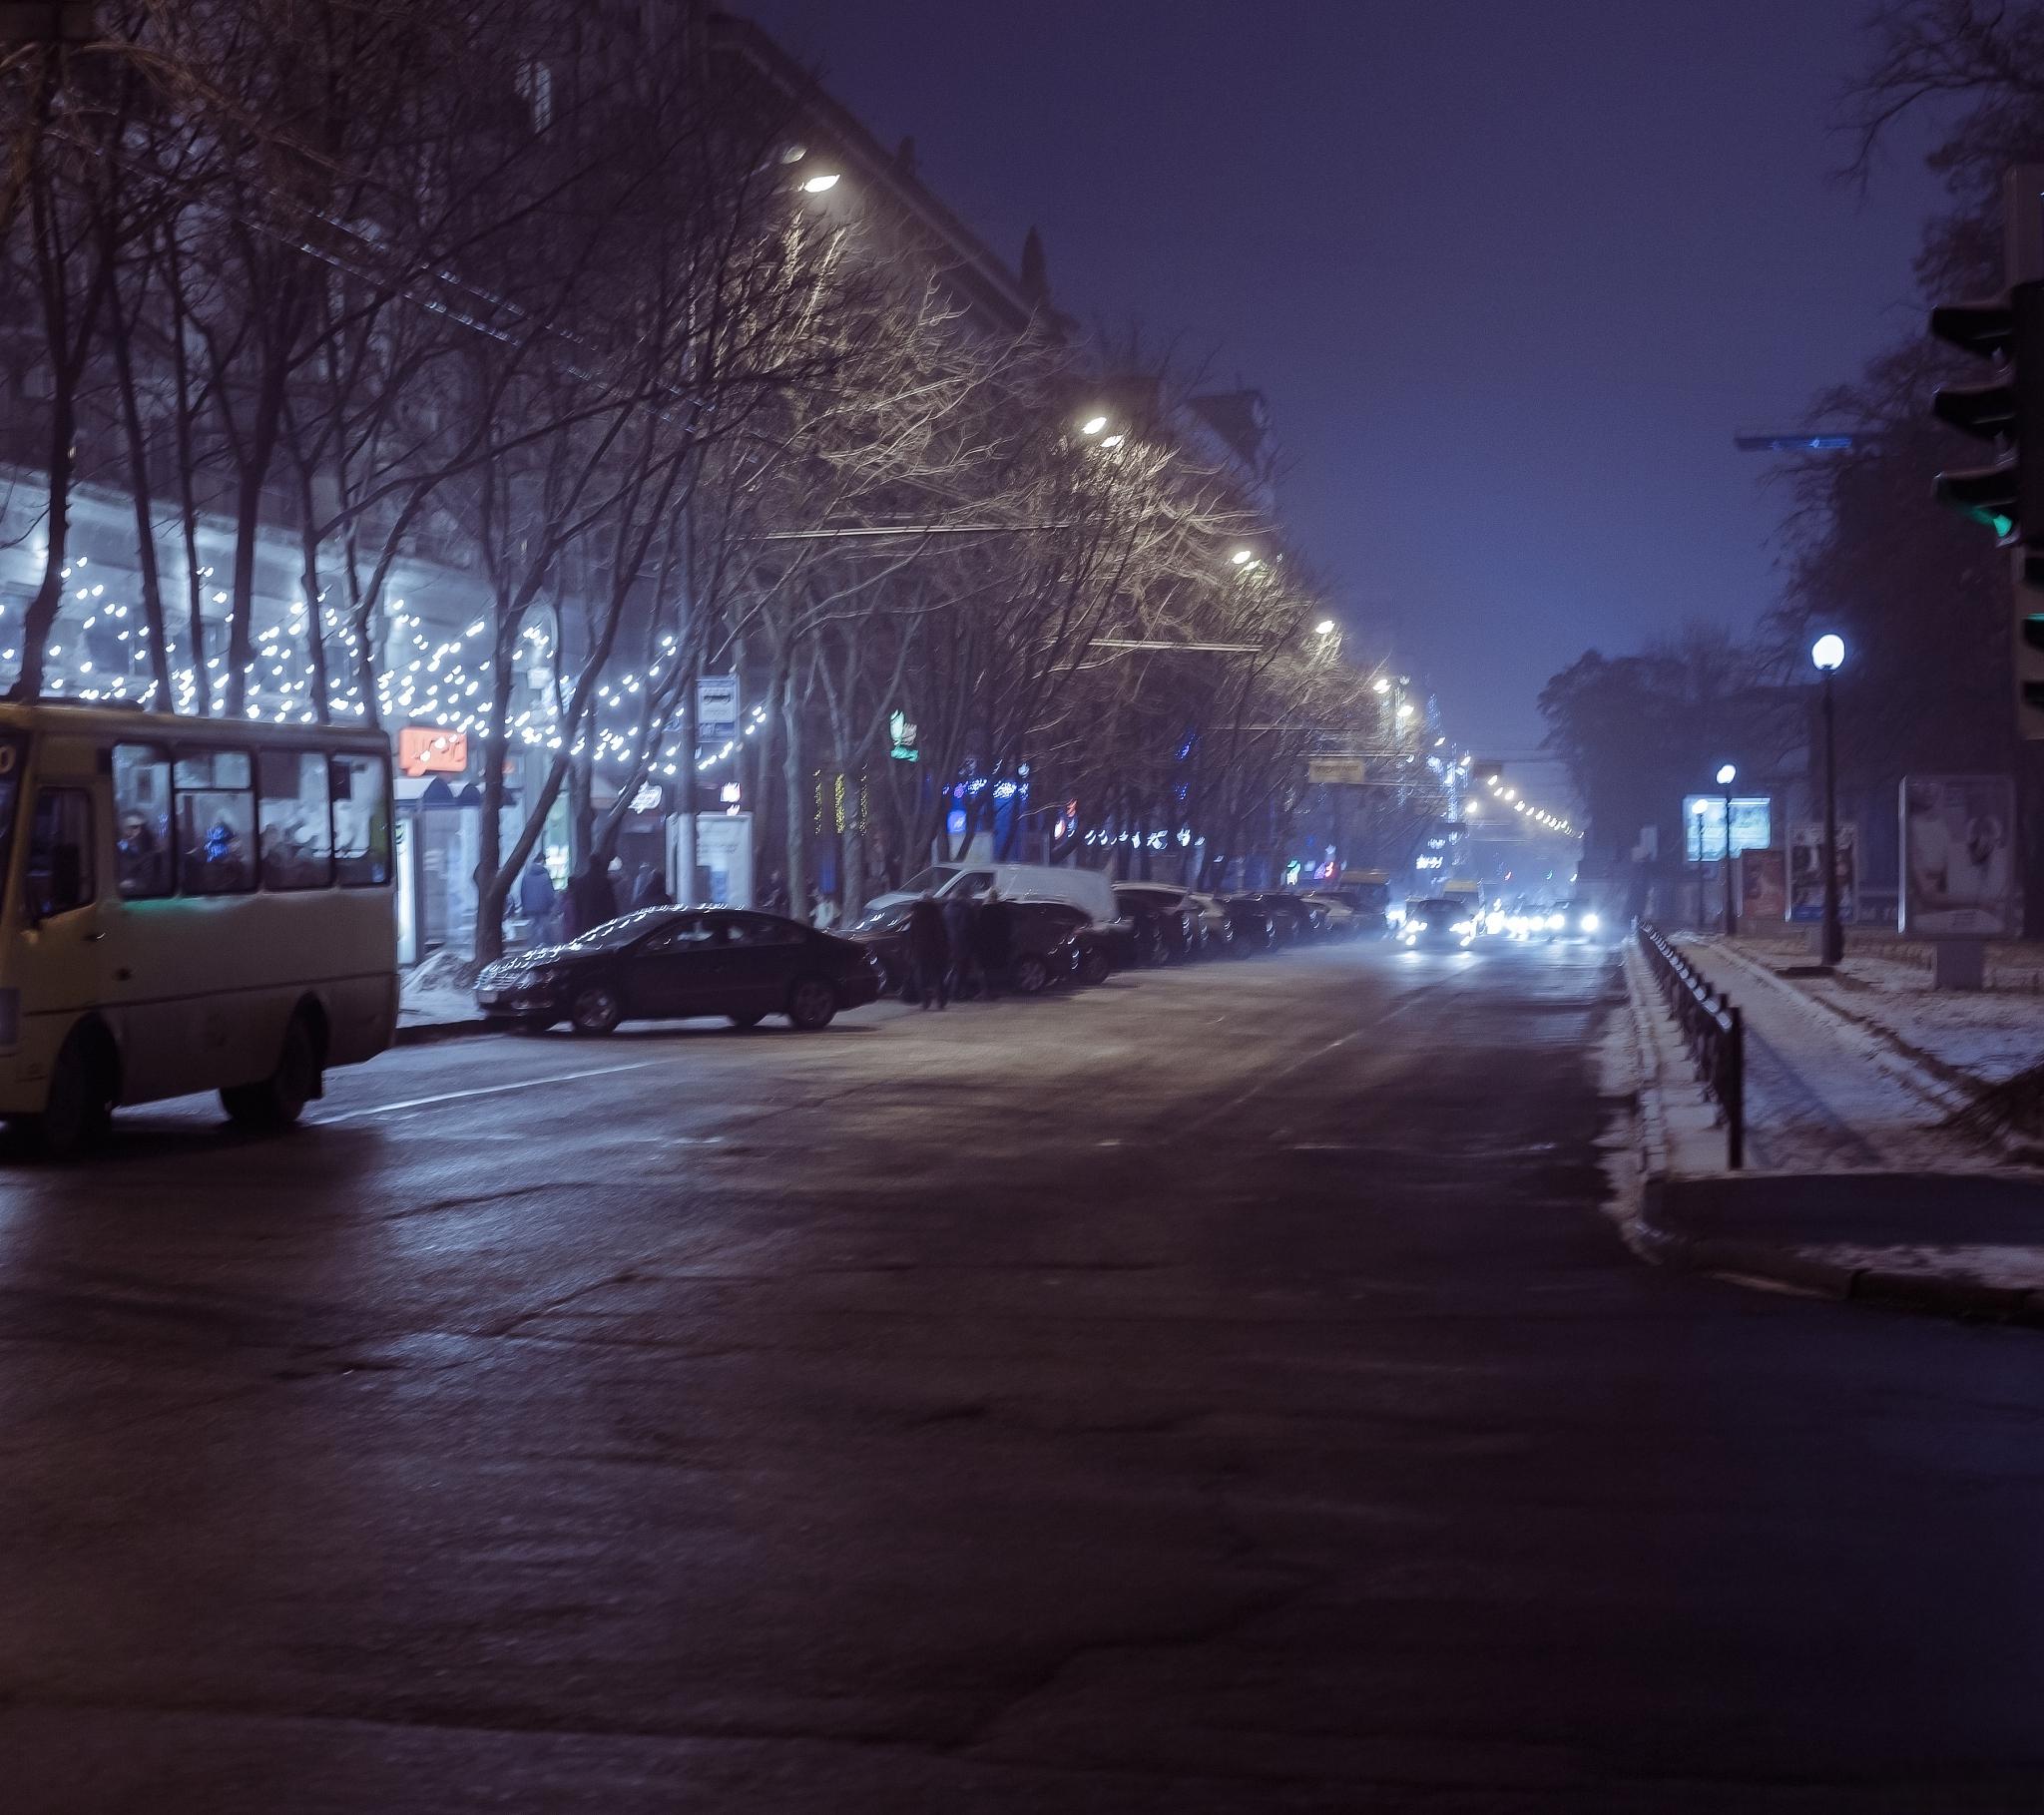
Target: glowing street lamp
point(1325, 628)
point(1726, 775)
point(1828, 655)
point(821, 184)
point(1093, 425)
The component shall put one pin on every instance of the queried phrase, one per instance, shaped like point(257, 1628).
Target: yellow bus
point(190, 904)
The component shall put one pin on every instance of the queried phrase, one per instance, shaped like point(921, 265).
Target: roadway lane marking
point(488, 1089)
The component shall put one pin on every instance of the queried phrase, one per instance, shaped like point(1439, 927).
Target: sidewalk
point(434, 1004)
point(1873, 1176)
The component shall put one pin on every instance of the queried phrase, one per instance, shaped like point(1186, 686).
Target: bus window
point(362, 821)
point(216, 819)
point(59, 867)
point(141, 821)
point(297, 840)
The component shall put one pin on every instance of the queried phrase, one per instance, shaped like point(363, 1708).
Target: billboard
point(1338, 771)
point(1806, 872)
point(1763, 886)
point(1958, 867)
point(1702, 825)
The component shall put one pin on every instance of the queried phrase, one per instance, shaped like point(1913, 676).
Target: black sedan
point(669, 964)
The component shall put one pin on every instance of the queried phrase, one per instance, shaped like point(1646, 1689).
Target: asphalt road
point(1219, 1391)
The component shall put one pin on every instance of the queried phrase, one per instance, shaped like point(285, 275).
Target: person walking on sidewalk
point(958, 935)
point(930, 955)
point(994, 934)
point(536, 900)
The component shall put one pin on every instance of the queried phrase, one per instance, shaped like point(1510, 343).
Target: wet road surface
point(1217, 1391)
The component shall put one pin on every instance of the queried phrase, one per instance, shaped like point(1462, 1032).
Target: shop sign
point(426, 750)
point(716, 710)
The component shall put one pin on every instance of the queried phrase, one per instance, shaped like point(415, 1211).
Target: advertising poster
point(1763, 886)
point(1806, 872)
point(1958, 870)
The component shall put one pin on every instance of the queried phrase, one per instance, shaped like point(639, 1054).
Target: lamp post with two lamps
point(1828, 655)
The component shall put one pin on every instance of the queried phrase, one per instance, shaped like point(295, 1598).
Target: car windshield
point(622, 931)
point(929, 881)
point(1443, 908)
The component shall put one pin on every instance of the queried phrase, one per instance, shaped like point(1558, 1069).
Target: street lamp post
point(1828, 653)
point(1726, 775)
point(1701, 815)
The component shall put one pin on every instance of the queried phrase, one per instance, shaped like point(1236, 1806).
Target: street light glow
point(1726, 775)
point(1092, 425)
point(1243, 557)
point(1112, 440)
point(1382, 685)
point(819, 184)
point(1325, 628)
point(1829, 652)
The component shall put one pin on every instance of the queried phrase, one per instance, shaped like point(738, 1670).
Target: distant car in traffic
point(675, 964)
point(1439, 923)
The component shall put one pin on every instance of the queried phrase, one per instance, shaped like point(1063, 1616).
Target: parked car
point(1216, 930)
point(1164, 926)
point(671, 964)
point(1293, 920)
point(1337, 919)
point(1051, 942)
point(1250, 923)
point(1088, 889)
point(882, 932)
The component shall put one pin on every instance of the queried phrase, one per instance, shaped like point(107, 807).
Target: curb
point(428, 1033)
point(1933, 1294)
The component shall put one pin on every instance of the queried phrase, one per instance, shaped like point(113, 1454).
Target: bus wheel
point(279, 1099)
point(80, 1105)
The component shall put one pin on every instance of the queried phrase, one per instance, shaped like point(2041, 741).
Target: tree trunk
point(165, 698)
point(49, 599)
point(795, 793)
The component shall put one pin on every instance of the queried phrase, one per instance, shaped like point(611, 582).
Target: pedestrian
point(929, 954)
point(536, 900)
point(592, 902)
point(649, 889)
point(993, 934)
point(823, 911)
point(959, 936)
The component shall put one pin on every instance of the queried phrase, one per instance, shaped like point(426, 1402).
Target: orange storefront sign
point(424, 750)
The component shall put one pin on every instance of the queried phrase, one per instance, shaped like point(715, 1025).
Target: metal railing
point(1710, 1026)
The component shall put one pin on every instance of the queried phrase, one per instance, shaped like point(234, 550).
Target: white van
point(1090, 890)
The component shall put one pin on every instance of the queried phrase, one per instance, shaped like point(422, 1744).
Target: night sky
point(1510, 275)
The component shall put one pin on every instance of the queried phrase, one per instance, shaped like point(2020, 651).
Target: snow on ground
point(1976, 1037)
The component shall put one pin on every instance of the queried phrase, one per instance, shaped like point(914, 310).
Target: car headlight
point(1464, 927)
point(1555, 922)
point(1591, 923)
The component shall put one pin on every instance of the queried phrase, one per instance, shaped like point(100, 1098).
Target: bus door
point(61, 937)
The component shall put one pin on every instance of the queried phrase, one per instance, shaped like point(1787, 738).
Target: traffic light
point(2008, 497)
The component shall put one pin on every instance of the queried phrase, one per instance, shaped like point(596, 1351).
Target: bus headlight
point(1591, 923)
